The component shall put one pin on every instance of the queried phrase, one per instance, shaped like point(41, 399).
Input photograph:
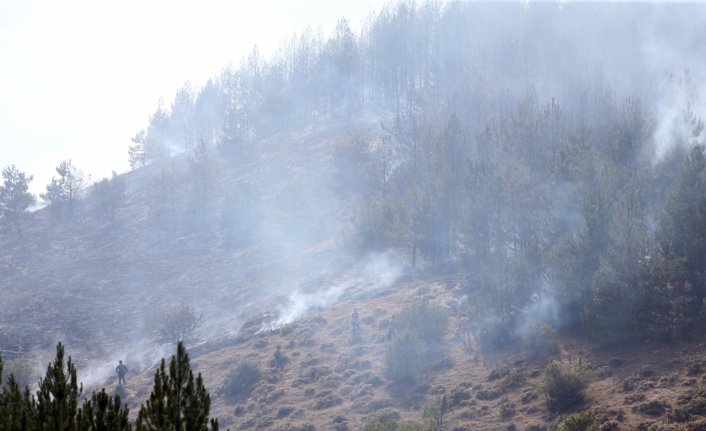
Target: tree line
point(542, 201)
point(61, 195)
point(178, 401)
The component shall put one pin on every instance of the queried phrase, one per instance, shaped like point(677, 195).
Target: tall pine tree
point(57, 397)
point(178, 400)
point(16, 406)
point(15, 198)
point(102, 412)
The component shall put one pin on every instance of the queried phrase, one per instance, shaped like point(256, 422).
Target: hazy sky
point(79, 78)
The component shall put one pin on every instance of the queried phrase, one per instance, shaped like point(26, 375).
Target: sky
point(79, 78)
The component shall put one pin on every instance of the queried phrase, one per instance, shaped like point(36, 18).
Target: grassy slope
point(328, 375)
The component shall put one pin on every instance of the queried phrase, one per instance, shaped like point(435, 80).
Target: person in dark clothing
point(465, 329)
point(278, 359)
point(121, 370)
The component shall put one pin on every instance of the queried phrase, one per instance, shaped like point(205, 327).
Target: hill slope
point(439, 153)
point(332, 379)
point(95, 286)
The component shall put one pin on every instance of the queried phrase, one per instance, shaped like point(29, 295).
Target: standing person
point(121, 370)
point(278, 359)
point(466, 329)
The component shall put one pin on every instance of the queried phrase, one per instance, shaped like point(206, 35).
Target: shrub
point(176, 323)
point(404, 359)
point(241, 379)
point(563, 385)
point(583, 421)
point(425, 319)
point(652, 408)
point(383, 421)
point(325, 400)
point(436, 410)
point(458, 397)
point(284, 411)
point(419, 332)
point(507, 409)
point(488, 394)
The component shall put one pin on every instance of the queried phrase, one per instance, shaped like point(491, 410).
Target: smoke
point(542, 308)
point(138, 357)
point(98, 370)
point(672, 46)
point(375, 273)
point(283, 213)
point(679, 117)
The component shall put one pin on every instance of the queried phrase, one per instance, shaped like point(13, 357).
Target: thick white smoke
point(679, 113)
point(375, 273)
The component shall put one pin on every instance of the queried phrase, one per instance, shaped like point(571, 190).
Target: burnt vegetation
point(565, 195)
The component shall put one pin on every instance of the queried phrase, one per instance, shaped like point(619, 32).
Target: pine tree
point(137, 156)
point(57, 397)
point(685, 213)
point(101, 412)
point(15, 197)
point(16, 407)
point(178, 401)
point(55, 406)
point(64, 190)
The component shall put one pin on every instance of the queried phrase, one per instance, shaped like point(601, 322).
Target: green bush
point(241, 379)
point(385, 420)
point(428, 321)
point(436, 410)
point(563, 385)
point(177, 324)
point(418, 340)
point(583, 421)
point(404, 359)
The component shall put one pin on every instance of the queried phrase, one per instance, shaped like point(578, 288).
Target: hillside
point(512, 198)
point(331, 379)
point(93, 284)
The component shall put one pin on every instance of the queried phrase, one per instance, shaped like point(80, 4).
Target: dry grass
point(330, 378)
